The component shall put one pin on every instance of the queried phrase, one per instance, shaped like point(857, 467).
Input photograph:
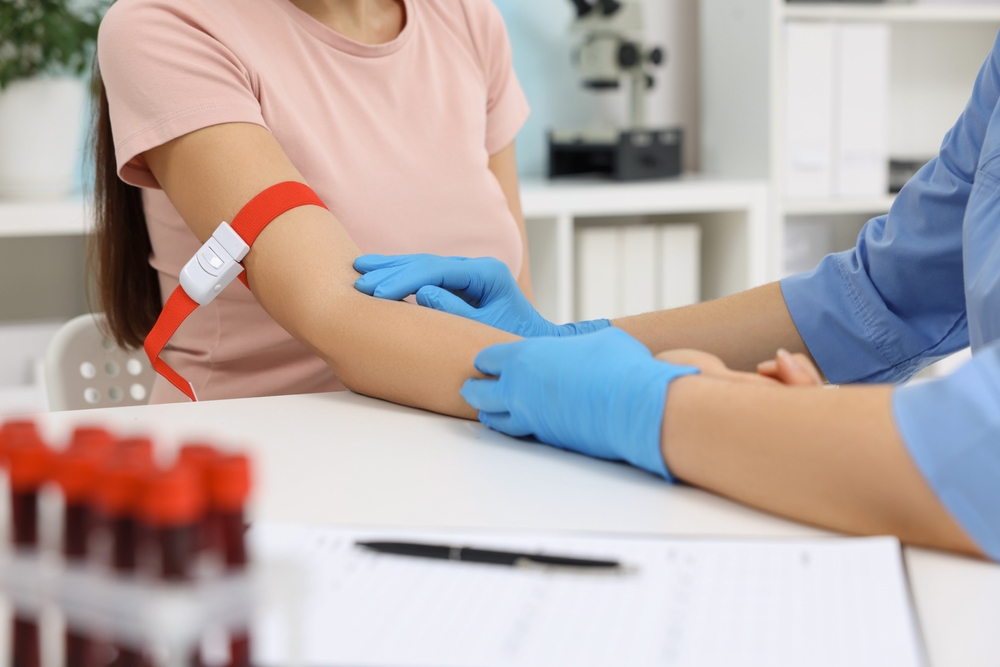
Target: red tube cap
point(18, 431)
point(76, 473)
point(134, 451)
point(200, 457)
point(92, 440)
point(230, 482)
point(29, 463)
point(118, 488)
point(173, 498)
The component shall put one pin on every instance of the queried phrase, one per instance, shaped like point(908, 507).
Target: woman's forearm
point(828, 457)
point(301, 271)
point(742, 330)
point(392, 350)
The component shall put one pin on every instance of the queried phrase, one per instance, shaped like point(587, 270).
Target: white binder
point(809, 105)
point(861, 167)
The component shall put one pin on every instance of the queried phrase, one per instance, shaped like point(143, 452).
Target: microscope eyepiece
point(609, 7)
point(582, 8)
point(629, 55)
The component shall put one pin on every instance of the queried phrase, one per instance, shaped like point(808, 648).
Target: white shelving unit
point(30, 219)
point(892, 12)
point(936, 52)
point(737, 241)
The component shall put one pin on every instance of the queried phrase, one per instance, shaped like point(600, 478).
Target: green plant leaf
point(47, 37)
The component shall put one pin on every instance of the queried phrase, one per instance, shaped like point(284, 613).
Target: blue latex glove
point(479, 289)
point(602, 394)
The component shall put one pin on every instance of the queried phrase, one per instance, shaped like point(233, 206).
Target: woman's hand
point(791, 369)
point(794, 370)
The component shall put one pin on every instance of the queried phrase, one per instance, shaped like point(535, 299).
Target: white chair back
point(86, 369)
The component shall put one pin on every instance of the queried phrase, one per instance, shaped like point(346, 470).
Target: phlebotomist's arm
point(878, 459)
point(300, 270)
point(877, 313)
point(920, 461)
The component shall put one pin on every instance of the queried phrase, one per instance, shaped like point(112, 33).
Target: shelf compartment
point(833, 206)
point(59, 218)
point(892, 13)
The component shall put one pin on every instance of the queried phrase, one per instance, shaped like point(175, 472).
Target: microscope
point(611, 51)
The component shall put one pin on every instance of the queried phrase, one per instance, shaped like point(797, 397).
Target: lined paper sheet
point(685, 602)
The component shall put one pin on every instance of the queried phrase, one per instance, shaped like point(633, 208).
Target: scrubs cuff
point(852, 342)
point(827, 318)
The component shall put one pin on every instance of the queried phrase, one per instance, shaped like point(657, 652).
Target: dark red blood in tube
point(116, 500)
point(76, 474)
point(28, 463)
point(229, 487)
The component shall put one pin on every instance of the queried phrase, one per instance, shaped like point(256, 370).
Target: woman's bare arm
point(828, 457)
point(504, 168)
point(743, 330)
point(300, 269)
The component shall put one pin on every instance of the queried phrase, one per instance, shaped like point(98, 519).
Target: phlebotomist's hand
point(600, 394)
point(481, 289)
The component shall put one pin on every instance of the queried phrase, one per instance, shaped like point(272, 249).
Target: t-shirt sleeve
point(168, 72)
point(506, 106)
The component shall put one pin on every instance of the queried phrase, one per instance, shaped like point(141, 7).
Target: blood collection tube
point(229, 488)
point(116, 499)
point(28, 463)
point(75, 472)
point(200, 457)
point(172, 509)
point(173, 513)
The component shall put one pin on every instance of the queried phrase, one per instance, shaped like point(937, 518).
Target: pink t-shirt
point(395, 138)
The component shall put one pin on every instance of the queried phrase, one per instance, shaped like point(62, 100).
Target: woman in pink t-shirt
point(400, 114)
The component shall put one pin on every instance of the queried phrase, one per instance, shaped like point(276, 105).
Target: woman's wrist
point(682, 406)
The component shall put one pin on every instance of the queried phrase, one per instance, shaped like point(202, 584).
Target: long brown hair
point(126, 286)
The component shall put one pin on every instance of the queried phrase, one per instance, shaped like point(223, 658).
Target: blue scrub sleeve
point(896, 302)
point(950, 427)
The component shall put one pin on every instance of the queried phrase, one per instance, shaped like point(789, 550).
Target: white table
point(346, 459)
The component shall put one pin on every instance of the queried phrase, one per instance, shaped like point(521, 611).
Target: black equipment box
point(629, 155)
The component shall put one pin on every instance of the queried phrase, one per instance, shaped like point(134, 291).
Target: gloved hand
point(478, 289)
point(602, 394)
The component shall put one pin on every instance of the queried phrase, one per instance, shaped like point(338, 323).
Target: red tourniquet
point(248, 224)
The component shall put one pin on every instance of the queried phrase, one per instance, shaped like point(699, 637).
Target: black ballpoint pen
point(488, 556)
